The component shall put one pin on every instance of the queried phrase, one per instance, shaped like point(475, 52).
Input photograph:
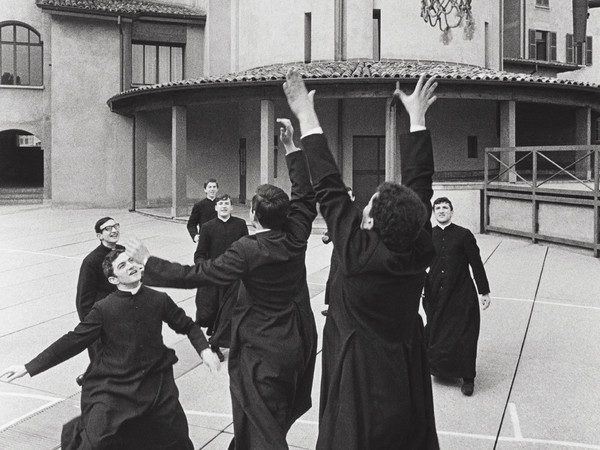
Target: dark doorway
point(21, 160)
point(368, 166)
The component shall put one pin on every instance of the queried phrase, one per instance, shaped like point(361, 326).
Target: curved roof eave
point(350, 74)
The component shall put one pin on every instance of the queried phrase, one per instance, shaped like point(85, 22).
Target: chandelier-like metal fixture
point(448, 14)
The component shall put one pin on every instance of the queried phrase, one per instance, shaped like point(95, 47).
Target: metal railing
point(539, 175)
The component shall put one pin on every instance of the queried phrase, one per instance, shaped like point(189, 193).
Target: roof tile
point(370, 69)
point(124, 7)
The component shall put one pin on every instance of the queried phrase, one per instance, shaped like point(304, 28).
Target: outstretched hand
point(211, 359)
point(420, 100)
point(12, 373)
point(286, 135)
point(137, 250)
point(301, 101)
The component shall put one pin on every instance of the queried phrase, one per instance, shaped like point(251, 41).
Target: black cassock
point(273, 333)
point(214, 304)
point(129, 391)
point(375, 389)
point(451, 302)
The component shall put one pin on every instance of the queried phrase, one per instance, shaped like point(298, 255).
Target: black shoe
point(324, 312)
point(467, 388)
point(79, 379)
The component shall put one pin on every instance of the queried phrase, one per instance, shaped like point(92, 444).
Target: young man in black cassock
point(273, 333)
point(216, 236)
point(204, 210)
point(450, 300)
point(375, 387)
point(130, 383)
point(92, 284)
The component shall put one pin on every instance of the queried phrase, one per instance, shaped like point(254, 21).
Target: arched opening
point(21, 160)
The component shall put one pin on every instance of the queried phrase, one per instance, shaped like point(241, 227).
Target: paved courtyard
point(537, 385)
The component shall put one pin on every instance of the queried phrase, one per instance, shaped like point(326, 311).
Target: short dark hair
point(398, 214)
point(211, 180)
point(107, 263)
point(439, 200)
point(222, 198)
point(270, 205)
point(100, 222)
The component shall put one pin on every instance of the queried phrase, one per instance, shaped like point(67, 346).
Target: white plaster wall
point(271, 34)
point(158, 140)
point(91, 146)
point(213, 145)
point(451, 121)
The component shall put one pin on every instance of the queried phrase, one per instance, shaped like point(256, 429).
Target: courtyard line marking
point(517, 439)
point(514, 377)
point(29, 252)
point(545, 302)
point(229, 416)
point(514, 417)
point(51, 402)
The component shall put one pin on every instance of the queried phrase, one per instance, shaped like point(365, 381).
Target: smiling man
point(204, 210)
point(92, 285)
point(131, 380)
point(450, 300)
point(214, 303)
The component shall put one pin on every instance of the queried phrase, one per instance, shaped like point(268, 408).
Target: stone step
point(21, 196)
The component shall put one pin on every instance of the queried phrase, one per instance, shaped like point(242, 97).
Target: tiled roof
point(122, 7)
point(365, 70)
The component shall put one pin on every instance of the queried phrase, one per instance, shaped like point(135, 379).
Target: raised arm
point(416, 151)
point(224, 270)
point(303, 208)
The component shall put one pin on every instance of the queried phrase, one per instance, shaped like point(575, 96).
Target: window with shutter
point(552, 46)
point(532, 54)
point(569, 48)
point(588, 51)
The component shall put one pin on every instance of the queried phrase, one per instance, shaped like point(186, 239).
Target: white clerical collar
point(262, 230)
point(132, 291)
point(224, 221)
point(443, 227)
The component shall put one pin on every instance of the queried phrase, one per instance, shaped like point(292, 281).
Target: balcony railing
point(543, 193)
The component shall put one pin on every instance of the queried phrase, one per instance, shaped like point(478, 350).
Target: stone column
point(392, 162)
point(508, 137)
point(267, 129)
point(140, 162)
point(178, 161)
point(583, 136)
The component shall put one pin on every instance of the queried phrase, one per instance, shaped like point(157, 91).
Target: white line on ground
point(545, 302)
point(518, 436)
point(51, 401)
point(514, 417)
point(39, 253)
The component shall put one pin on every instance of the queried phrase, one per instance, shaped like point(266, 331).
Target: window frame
point(15, 43)
point(157, 69)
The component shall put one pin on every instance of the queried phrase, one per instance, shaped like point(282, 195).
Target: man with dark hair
point(375, 386)
point(131, 380)
point(204, 210)
point(92, 285)
point(333, 264)
point(214, 304)
point(450, 300)
point(273, 333)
